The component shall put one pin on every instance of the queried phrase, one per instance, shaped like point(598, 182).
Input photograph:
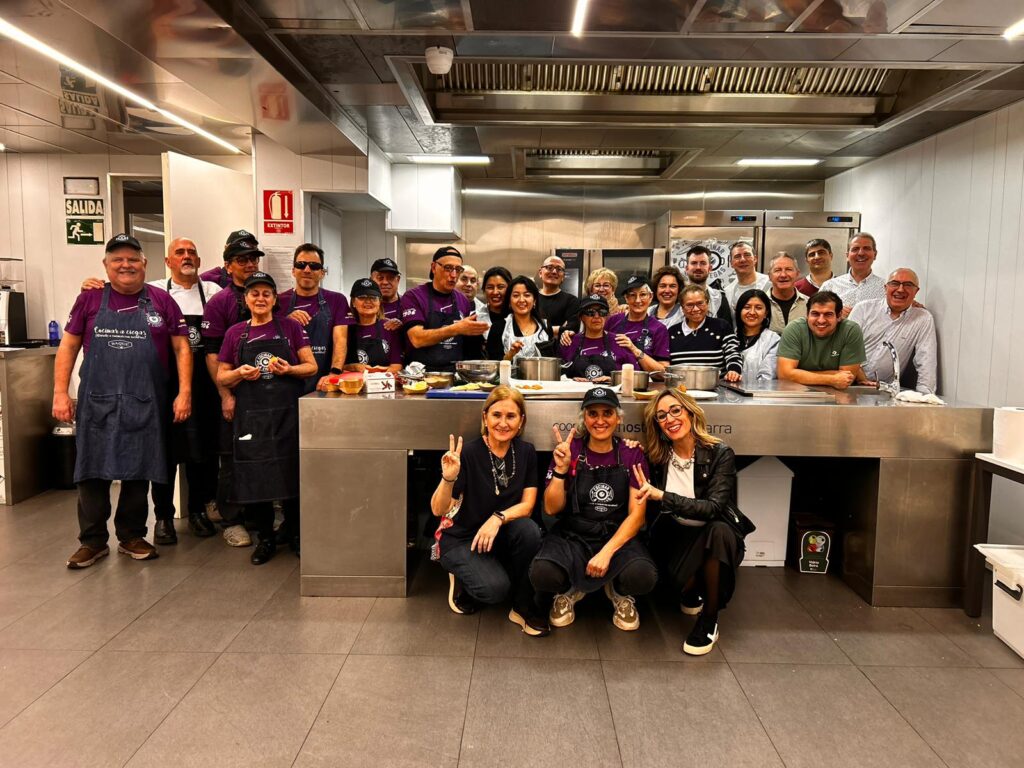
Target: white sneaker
point(237, 536)
point(212, 513)
point(562, 611)
point(625, 616)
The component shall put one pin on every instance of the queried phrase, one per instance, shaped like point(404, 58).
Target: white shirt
point(852, 292)
point(760, 360)
point(687, 330)
point(508, 335)
point(734, 290)
point(912, 333)
point(680, 482)
point(188, 298)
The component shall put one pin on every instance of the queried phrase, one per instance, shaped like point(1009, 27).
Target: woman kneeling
point(486, 495)
point(594, 544)
point(697, 534)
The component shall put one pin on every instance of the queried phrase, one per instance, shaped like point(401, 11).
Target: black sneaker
point(200, 526)
point(534, 626)
point(702, 637)
point(691, 603)
point(458, 600)
point(164, 533)
point(264, 552)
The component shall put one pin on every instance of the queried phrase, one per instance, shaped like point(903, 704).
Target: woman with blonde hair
point(604, 282)
point(486, 539)
point(697, 532)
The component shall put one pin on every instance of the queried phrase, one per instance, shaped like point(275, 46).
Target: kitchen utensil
point(439, 379)
point(540, 368)
point(641, 379)
point(692, 376)
point(477, 370)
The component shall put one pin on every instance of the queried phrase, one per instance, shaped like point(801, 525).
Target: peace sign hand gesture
point(563, 453)
point(451, 462)
point(646, 490)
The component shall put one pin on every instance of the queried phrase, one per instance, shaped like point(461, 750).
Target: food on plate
point(415, 387)
point(471, 387)
point(644, 394)
point(437, 381)
point(530, 387)
point(351, 386)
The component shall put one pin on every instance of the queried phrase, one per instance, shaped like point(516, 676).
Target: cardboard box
point(377, 383)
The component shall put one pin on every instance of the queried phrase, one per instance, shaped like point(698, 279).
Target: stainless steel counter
point(905, 510)
point(26, 399)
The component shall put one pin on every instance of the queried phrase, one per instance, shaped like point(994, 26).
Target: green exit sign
point(84, 231)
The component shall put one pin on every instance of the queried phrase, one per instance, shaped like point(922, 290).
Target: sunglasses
point(250, 258)
point(315, 266)
point(595, 313)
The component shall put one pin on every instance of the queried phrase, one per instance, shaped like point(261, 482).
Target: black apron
point(644, 340)
point(243, 314)
point(195, 439)
point(368, 350)
point(443, 355)
point(320, 332)
point(266, 426)
point(591, 367)
point(598, 503)
point(122, 398)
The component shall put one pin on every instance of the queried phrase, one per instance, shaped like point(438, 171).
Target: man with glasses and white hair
point(746, 277)
point(324, 314)
point(860, 283)
point(908, 328)
point(556, 305)
point(438, 319)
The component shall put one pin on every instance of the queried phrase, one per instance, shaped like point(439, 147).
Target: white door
point(205, 203)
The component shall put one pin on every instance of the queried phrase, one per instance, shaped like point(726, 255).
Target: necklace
point(498, 469)
point(682, 466)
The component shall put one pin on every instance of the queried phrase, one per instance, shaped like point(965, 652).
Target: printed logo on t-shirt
point(835, 353)
point(409, 312)
point(205, 324)
point(155, 319)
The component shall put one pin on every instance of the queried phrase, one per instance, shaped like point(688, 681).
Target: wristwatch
point(559, 475)
point(499, 515)
point(640, 355)
point(336, 371)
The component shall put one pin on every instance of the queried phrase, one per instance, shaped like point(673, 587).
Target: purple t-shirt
point(582, 346)
point(393, 309)
point(216, 275)
point(83, 317)
point(628, 456)
point(655, 342)
point(293, 332)
point(418, 302)
point(222, 312)
point(337, 305)
point(392, 341)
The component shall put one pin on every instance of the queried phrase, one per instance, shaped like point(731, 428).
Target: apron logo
point(263, 363)
point(194, 336)
point(154, 319)
point(602, 493)
point(120, 344)
point(593, 371)
point(387, 347)
point(364, 358)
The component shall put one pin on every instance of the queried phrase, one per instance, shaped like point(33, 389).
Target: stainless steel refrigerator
point(790, 231)
point(716, 231)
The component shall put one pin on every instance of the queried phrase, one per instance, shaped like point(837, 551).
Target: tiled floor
point(199, 658)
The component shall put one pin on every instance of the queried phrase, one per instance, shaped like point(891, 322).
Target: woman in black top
point(703, 340)
point(486, 539)
point(697, 532)
point(495, 287)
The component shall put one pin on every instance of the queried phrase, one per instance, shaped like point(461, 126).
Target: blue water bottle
point(54, 331)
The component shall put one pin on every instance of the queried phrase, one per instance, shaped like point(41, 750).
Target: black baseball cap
point(448, 250)
point(593, 301)
point(260, 278)
point(634, 282)
point(242, 247)
point(122, 241)
point(239, 234)
point(385, 265)
point(600, 396)
point(364, 287)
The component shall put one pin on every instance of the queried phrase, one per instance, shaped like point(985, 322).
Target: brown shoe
point(137, 549)
point(86, 556)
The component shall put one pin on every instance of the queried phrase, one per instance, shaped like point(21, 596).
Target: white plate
point(702, 394)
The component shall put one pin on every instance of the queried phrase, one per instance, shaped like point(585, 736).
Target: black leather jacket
point(714, 489)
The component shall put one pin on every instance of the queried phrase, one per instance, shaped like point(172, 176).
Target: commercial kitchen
point(871, 581)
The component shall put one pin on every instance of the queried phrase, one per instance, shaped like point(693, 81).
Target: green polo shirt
point(844, 347)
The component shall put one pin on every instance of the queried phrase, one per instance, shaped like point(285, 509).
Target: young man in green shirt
point(823, 349)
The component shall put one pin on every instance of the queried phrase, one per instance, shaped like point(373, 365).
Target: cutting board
point(447, 394)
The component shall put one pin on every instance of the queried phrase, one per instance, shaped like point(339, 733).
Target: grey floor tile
point(538, 712)
point(27, 675)
point(26, 586)
point(1013, 678)
point(269, 702)
point(500, 637)
point(672, 715)
point(290, 623)
point(973, 636)
point(34, 525)
point(207, 611)
point(967, 715)
point(663, 628)
point(816, 591)
point(416, 625)
point(833, 716)
point(88, 614)
point(395, 711)
point(100, 713)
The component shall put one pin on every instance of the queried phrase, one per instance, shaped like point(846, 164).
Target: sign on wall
point(278, 211)
point(84, 231)
point(83, 206)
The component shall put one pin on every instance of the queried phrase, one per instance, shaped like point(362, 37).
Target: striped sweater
point(713, 343)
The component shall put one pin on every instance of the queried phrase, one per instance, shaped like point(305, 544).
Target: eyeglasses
point(452, 269)
point(695, 306)
point(674, 411)
point(897, 284)
point(603, 287)
point(553, 268)
point(595, 313)
point(302, 266)
point(249, 258)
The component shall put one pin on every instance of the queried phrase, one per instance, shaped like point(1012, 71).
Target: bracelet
point(559, 475)
point(447, 480)
point(499, 515)
point(336, 371)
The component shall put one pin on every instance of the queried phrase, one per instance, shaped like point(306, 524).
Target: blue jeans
point(492, 577)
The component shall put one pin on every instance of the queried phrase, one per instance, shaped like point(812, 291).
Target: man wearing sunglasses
point(440, 322)
point(324, 314)
point(556, 305)
point(906, 325)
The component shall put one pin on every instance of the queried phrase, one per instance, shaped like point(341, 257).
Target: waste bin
point(62, 456)
point(764, 491)
point(1007, 563)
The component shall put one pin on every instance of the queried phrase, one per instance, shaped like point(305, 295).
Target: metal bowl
point(692, 376)
point(641, 379)
point(540, 368)
point(439, 379)
point(478, 371)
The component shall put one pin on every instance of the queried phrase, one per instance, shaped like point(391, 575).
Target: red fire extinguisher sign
point(278, 211)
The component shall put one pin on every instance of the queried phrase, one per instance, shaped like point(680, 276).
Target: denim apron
point(321, 339)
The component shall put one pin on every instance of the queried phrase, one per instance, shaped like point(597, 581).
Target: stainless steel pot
point(540, 368)
point(641, 379)
point(692, 376)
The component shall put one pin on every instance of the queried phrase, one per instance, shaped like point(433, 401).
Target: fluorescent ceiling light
point(10, 31)
point(579, 16)
point(1014, 30)
point(450, 159)
point(778, 162)
point(147, 231)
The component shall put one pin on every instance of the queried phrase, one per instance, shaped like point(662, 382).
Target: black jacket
point(714, 489)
